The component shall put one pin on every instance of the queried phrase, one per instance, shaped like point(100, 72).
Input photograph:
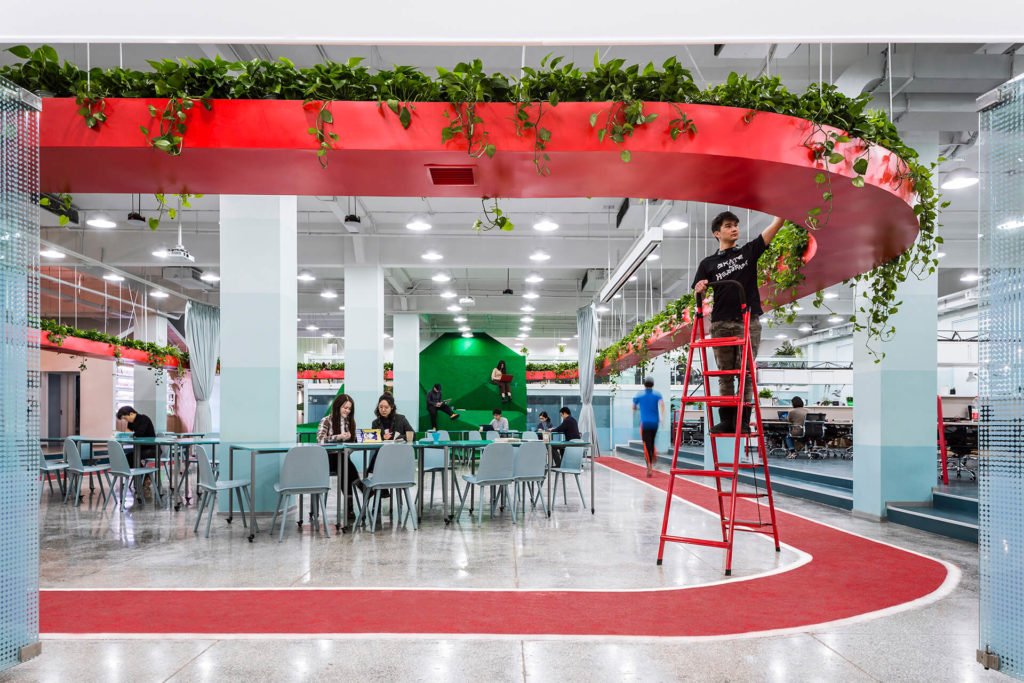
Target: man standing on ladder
point(731, 262)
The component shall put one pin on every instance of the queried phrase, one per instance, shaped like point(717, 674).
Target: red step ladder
point(752, 441)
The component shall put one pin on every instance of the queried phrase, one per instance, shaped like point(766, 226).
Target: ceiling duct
point(186, 277)
point(452, 175)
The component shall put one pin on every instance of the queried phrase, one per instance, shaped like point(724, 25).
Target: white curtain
point(586, 325)
point(202, 334)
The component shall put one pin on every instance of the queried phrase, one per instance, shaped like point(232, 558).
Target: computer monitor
point(487, 428)
point(783, 414)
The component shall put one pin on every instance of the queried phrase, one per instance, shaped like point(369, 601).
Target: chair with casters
point(529, 467)
point(572, 463)
point(57, 468)
point(496, 469)
point(77, 470)
point(120, 469)
point(208, 487)
point(814, 434)
point(394, 470)
point(306, 471)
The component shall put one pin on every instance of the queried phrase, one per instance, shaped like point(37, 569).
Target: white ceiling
point(934, 88)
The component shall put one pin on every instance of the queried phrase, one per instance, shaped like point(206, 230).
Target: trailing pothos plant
point(464, 87)
point(57, 333)
point(493, 218)
point(170, 211)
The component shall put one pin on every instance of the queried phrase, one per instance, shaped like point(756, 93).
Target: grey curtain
point(202, 334)
point(586, 325)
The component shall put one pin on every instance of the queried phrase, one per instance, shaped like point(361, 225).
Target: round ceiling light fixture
point(210, 277)
point(467, 335)
point(304, 276)
point(674, 224)
point(534, 278)
point(540, 256)
point(455, 308)
point(527, 308)
point(441, 276)
point(159, 294)
point(431, 255)
point(460, 318)
point(531, 295)
point(101, 221)
point(959, 178)
point(113, 277)
point(418, 224)
point(448, 294)
point(835, 319)
point(312, 328)
point(545, 224)
point(329, 294)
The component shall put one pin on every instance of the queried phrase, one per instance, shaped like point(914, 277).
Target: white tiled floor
point(615, 548)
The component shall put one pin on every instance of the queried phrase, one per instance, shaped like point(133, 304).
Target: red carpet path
point(847, 576)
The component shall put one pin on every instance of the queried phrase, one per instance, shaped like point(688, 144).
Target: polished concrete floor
point(145, 547)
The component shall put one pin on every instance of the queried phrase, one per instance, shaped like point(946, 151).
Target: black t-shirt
point(737, 263)
point(142, 427)
point(569, 427)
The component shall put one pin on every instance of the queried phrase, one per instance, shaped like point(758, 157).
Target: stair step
point(953, 524)
point(951, 499)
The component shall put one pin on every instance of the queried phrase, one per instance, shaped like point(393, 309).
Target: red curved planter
point(94, 349)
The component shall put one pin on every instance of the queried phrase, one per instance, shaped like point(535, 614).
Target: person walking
point(731, 262)
point(652, 410)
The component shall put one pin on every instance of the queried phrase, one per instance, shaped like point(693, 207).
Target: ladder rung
point(696, 541)
point(717, 400)
point(747, 435)
point(742, 465)
point(721, 373)
point(718, 341)
point(701, 473)
point(748, 522)
point(743, 495)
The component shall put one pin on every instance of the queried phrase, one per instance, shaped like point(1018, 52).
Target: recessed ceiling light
point(602, 309)
point(531, 295)
point(341, 308)
point(448, 294)
point(418, 224)
point(467, 301)
point(545, 225)
point(210, 277)
point(460, 318)
point(798, 307)
point(431, 256)
point(329, 294)
point(835, 319)
point(464, 328)
point(831, 295)
point(525, 328)
point(454, 308)
point(618, 295)
point(959, 178)
point(387, 336)
point(526, 319)
point(781, 336)
point(539, 256)
point(101, 222)
point(633, 278)
point(1011, 224)
point(306, 276)
point(940, 254)
point(160, 253)
point(113, 277)
point(325, 335)
point(467, 335)
point(312, 328)
point(653, 257)
point(527, 308)
point(805, 328)
point(441, 276)
point(673, 224)
point(970, 277)
point(520, 336)
point(533, 278)
point(159, 294)
point(576, 336)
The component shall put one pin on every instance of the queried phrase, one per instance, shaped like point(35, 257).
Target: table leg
point(252, 498)
point(231, 475)
point(550, 463)
point(592, 466)
point(444, 485)
point(419, 506)
point(342, 487)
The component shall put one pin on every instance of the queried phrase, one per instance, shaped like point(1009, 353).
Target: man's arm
point(769, 233)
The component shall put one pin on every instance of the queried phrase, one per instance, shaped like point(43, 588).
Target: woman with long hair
point(496, 378)
point(339, 425)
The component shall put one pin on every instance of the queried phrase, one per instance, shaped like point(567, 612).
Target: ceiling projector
point(180, 252)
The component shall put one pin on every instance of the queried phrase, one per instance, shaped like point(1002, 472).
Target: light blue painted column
point(894, 412)
point(364, 339)
point(407, 367)
point(258, 299)
point(149, 394)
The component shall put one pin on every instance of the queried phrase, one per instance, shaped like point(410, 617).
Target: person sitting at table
point(503, 387)
point(339, 425)
point(392, 425)
point(499, 423)
point(436, 403)
point(797, 416)
point(569, 428)
point(141, 427)
point(543, 422)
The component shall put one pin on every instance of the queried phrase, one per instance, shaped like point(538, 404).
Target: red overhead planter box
point(94, 349)
point(334, 374)
point(548, 375)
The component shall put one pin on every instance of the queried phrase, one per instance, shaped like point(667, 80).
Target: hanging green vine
point(57, 333)
point(493, 218)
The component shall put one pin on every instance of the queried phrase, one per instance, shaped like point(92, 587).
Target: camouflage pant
point(729, 357)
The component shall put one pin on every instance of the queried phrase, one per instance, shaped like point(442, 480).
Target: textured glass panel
point(19, 374)
point(1001, 380)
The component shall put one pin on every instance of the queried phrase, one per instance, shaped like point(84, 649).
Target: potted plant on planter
point(767, 397)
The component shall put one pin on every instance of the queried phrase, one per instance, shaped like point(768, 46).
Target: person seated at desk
point(543, 422)
point(797, 416)
point(392, 424)
point(141, 427)
point(569, 428)
point(499, 376)
point(339, 425)
point(435, 403)
point(499, 423)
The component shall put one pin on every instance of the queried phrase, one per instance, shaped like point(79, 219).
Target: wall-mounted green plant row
point(306, 367)
point(157, 353)
point(836, 119)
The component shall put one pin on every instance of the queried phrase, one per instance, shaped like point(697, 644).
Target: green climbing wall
point(463, 367)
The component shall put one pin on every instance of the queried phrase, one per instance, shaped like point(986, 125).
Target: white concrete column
point(894, 411)
point(364, 339)
point(407, 366)
point(150, 385)
point(258, 298)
